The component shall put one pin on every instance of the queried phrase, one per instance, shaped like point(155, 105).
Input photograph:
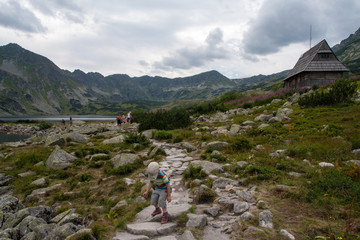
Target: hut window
point(324, 55)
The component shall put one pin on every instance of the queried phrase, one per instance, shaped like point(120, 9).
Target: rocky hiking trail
point(214, 220)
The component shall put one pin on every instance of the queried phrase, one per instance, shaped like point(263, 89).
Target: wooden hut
point(318, 66)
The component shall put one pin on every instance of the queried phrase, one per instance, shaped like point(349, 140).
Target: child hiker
point(162, 190)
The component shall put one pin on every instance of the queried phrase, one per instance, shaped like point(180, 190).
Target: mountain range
point(31, 84)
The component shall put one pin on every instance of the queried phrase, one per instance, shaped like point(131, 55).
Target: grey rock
point(123, 159)
point(5, 180)
point(248, 123)
point(217, 145)
point(295, 98)
point(214, 234)
point(326, 164)
point(294, 174)
point(39, 182)
point(278, 153)
point(55, 139)
point(77, 137)
point(353, 162)
point(241, 163)
point(74, 218)
point(188, 146)
point(261, 204)
point(140, 199)
point(213, 211)
point(13, 220)
point(234, 129)
point(240, 207)
point(62, 215)
point(98, 156)
point(207, 166)
point(9, 203)
point(114, 140)
point(128, 236)
point(247, 216)
point(120, 204)
point(29, 223)
point(274, 119)
point(196, 220)
point(129, 181)
point(4, 190)
point(26, 174)
point(223, 182)
point(215, 152)
point(44, 212)
point(245, 195)
point(187, 235)
point(29, 236)
point(285, 233)
point(265, 219)
point(148, 133)
point(59, 159)
point(85, 233)
point(274, 101)
point(151, 228)
point(264, 117)
point(43, 230)
point(356, 152)
point(41, 191)
point(263, 126)
point(154, 151)
point(62, 232)
point(250, 230)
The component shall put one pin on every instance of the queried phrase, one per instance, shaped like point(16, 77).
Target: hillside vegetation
point(283, 160)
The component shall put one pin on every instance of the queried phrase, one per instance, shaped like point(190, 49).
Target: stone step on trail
point(129, 236)
point(151, 228)
point(173, 210)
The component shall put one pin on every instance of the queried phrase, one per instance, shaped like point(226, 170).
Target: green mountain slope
point(348, 52)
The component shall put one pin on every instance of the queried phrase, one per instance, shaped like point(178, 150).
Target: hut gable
point(313, 65)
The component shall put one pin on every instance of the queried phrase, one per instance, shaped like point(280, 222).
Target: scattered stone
point(240, 207)
point(263, 126)
point(62, 215)
point(154, 151)
point(261, 204)
point(55, 139)
point(326, 164)
point(247, 196)
point(77, 137)
point(277, 153)
point(223, 182)
point(196, 220)
point(39, 182)
point(356, 152)
point(187, 235)
point(247, 216)
point(248, 123)
point(234, 129)
point(242, 163)
point(129, 181)
point(265, 219)
point(41, 191)
point(148, 133)
point(213, 211)
point(215, 152)
point(207, 166)
point(85, 233)
point(26, 174)
point(217, 145)
point(188, 146)
point(120, 204)
point(354, 163)
point(294, 174)
point(128, 236)
point(114, 140)
point(264, 118)
point(140, 199)
point(59, 159)
point(285, 233)
point(151, 228)
point(123, 159)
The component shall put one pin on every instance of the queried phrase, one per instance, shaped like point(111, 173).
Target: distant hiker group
point(123, 119)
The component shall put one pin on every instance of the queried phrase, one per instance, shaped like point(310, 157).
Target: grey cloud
point(65, 8)
point(187, 58)
point(13, 15)
point(282, 22)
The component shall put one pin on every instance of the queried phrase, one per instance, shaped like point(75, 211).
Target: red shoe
point(164, 218)
point(156, 212)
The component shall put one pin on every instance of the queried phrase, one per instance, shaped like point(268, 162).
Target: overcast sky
point(175, 38)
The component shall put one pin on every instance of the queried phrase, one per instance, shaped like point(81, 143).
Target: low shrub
point(132, 138)
point(240, 144)
point(162, 135)
point(44, 125)
point(194, 173)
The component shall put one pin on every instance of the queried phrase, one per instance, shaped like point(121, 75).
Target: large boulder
point(196, 220)
point(61, 232)
point(123, 159)
point(217, 145)
point(114, 140)
point(77, 137)
point(55, 139)
point(59, 159)
point(207, 166)
point(223, 182)
point(265, 219)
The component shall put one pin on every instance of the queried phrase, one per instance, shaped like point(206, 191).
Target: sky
point(172, 38)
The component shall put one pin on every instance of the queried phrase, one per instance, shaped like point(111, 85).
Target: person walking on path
point(119, 120)
point(162, 190)
point(129, 117)
point(70, 121)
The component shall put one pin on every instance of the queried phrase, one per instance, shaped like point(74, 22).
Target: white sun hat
point(153, 170)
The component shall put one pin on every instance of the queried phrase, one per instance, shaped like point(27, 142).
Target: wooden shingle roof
point(311, 62)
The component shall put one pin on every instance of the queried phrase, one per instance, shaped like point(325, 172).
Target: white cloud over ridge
point(175, 38)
